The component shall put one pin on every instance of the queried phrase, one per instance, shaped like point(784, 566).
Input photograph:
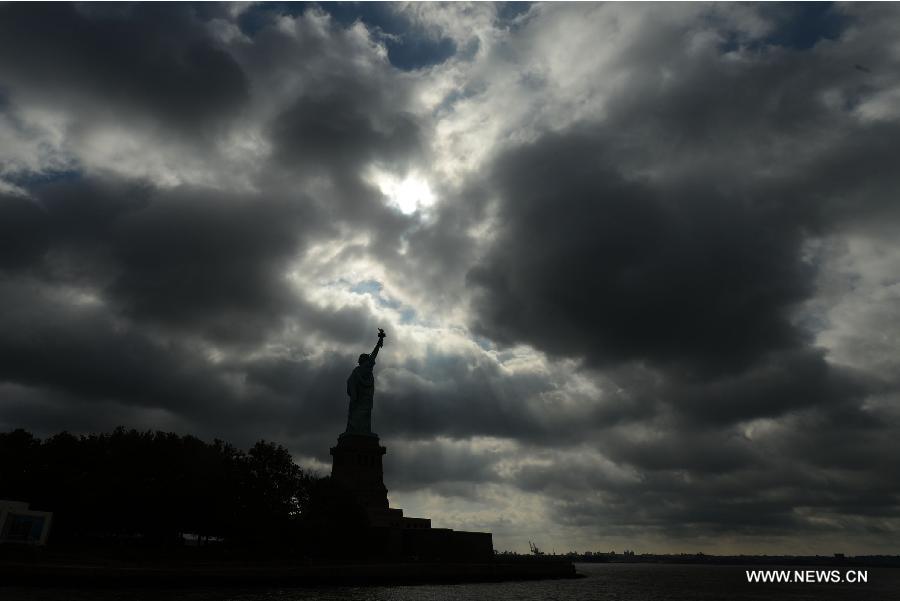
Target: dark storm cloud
point(672, 237)
point(48, 342)
point(347, 127)
point(767, 484)
point(700, 261)
point(414, 466)
point(773, 490)
point(686, 470)
point(459, 398)
point(694, 268)
point(23, 232)
point(142, 60)
point(196, 258)
point(63, 231)
point(777, 384)
point(670, 449)
point(48, 411)
point(855, 181)
point(852, 440)
point(188, 259)
point(590, 263)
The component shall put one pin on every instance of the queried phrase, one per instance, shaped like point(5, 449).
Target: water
point(603, 582)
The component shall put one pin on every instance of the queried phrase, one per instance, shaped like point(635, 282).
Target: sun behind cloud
point(409, 194)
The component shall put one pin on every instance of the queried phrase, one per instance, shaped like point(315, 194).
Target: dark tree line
point(151, 488)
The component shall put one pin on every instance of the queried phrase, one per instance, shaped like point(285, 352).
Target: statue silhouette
point(361, 390)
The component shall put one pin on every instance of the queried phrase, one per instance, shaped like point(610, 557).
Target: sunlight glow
point(409, 195)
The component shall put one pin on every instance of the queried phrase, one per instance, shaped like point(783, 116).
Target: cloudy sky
point(638, 263)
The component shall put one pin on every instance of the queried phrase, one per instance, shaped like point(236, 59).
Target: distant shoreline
point(703, 559)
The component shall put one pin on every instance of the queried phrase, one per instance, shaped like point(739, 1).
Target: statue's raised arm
point(379, 344)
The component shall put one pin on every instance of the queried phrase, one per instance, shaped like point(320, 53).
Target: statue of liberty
point(361, 390)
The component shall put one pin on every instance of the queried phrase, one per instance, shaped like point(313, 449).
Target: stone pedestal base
point(357, 466)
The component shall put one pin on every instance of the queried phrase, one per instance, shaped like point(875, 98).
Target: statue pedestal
point(357, 466)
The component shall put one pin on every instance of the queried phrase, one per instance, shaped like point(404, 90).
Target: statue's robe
point(361, 389)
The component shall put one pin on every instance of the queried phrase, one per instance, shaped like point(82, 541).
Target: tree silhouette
point(150, 488)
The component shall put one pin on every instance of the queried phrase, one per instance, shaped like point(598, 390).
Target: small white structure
point(19, 524)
